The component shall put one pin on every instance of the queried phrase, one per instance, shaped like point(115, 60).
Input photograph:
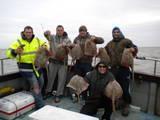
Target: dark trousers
point(81, 69)
point(123, 77)
point(91, 107)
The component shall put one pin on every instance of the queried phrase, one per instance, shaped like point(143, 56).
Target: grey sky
point(139, 20)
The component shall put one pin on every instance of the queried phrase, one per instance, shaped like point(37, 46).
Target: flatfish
point(103, 55)
point(90, 48)
point(127, 58)
point(113, 91)
point(78, 84)
point(42, 56)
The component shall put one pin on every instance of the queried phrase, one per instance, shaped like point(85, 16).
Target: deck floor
point(66, 103)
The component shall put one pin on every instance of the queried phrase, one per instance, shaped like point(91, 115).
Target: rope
point(14, 104)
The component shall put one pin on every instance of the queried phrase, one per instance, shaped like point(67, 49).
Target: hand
point(44, 46)
point(93, 38)
point(132, 49)
point(47, 33)
point(71, 45)
point(19, 50)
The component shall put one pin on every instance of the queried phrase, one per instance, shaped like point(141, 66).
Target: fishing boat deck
point(66, 103)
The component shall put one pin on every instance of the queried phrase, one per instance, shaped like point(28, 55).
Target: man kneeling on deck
point(98, 79)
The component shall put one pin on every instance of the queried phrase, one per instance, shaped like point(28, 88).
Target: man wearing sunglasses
point(98, 79)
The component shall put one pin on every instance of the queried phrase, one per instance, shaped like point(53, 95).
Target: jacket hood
point(121, 34)
point(101, 62)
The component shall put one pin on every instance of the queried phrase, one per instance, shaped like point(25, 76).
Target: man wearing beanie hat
point(84, 63)
point(82, 28)
point(98, 79)
point(122, 73)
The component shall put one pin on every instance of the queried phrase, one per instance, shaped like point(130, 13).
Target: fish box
point(16, 104)
point(49, 112)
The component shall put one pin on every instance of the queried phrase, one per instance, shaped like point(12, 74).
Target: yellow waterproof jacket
point(29, 52)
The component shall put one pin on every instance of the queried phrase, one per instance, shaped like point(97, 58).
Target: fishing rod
point(42, 28)
point(49, 39)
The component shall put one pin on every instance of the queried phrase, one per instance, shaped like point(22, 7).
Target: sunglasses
point(102, 66)
point(82, 30)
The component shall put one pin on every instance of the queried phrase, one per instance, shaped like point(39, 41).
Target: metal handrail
point(151, 59)
point(140, 58)
point(2, 64)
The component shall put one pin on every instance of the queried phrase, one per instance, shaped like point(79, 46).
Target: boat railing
point(7, 65)
point(156, 61)
point(2, 65)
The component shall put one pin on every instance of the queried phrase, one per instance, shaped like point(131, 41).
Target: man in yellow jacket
point(24, 50)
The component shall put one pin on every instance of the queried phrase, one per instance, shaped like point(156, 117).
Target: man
point(122, 73)
point(57, 66)
point(24, 50)
point(98, 80)
point(84, 64)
